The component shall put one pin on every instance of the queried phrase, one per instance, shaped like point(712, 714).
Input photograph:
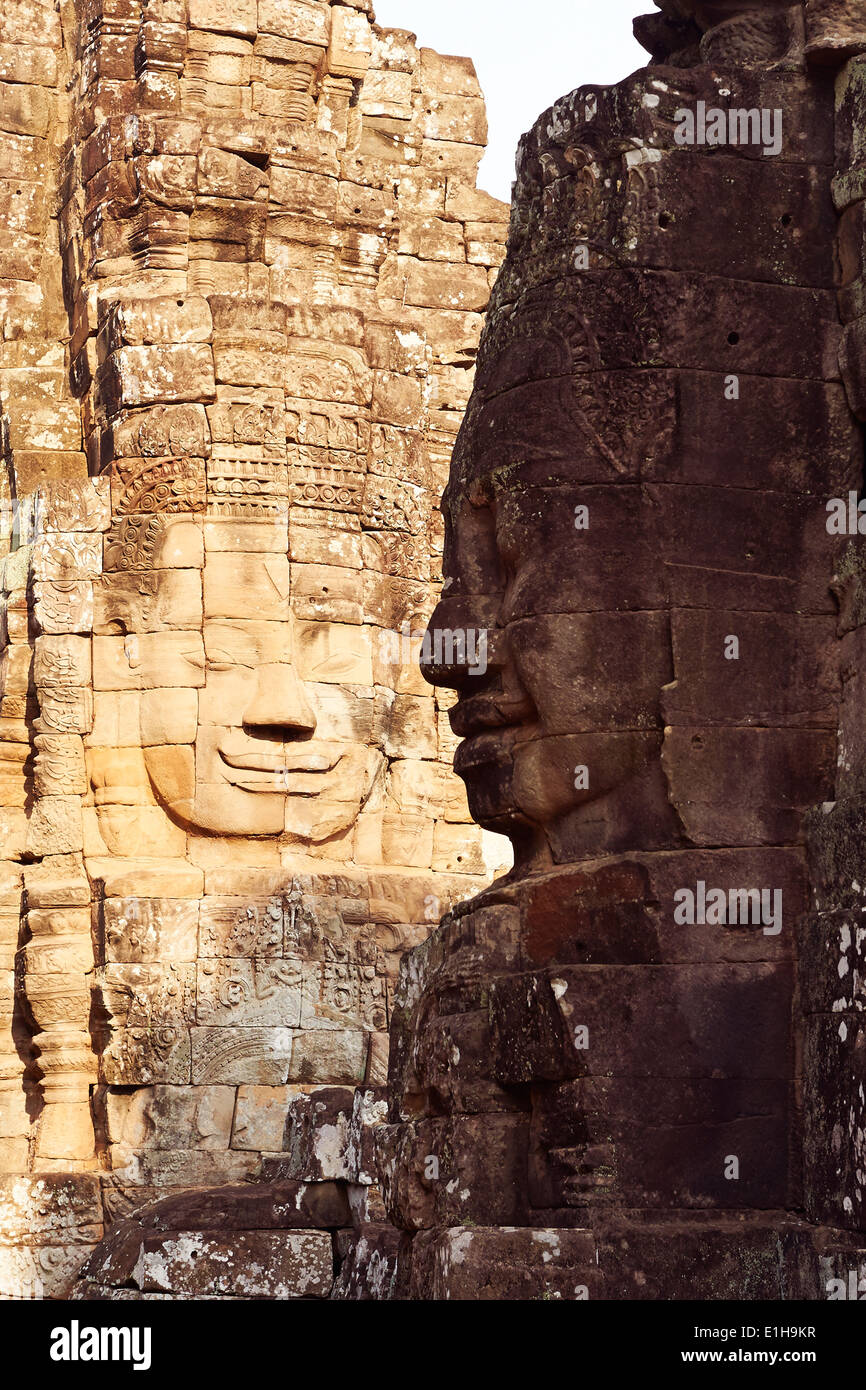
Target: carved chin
point(554, 775)
point(223, 810)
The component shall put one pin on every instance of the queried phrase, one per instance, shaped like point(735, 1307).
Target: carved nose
point(280, 702)
point(461, 643)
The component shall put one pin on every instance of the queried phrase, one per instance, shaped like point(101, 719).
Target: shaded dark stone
point(252, 1206)
point(664, 404)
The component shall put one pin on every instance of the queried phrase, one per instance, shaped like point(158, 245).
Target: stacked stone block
point(243, 297)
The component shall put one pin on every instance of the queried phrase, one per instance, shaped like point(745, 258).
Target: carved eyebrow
point(282, 593)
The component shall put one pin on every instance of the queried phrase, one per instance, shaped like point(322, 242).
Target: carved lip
point(481, 749)
point(485, 713)
point(269, 772)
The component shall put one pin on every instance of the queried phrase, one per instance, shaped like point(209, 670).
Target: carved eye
point(336, 666)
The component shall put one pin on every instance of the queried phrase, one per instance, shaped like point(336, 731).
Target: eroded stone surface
point(242, 274)
point(596, 1065)
point(634, 1069)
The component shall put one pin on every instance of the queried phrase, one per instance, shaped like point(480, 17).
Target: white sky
point(527, 53)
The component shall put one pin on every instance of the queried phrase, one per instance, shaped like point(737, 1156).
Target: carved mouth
point(488, 712)
point(480, 750)
point(489, 724)
point(293, 771)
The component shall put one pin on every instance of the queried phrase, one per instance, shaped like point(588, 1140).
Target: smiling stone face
point(251, 719)
point(267, 569)
point(230, 787)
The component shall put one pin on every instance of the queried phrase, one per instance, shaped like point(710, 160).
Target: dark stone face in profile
point(637, 515)
point(636, 508)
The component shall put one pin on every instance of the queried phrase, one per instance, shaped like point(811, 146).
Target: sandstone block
point(489, 1172)
point(113, 827)
point(371, 1267)
point(170, 1118)
point(238, 1056)
point(142, 930)
point(329, 1056)
point(236, 585)
point(450, 76)
point(410, 726)
point(292, 1264)
point(277, 1205)
point(136, 376)
point(160, 431)
point(160, 320)
point(151, 660)
point(34, 63)
point(260, 1117)
point(334, 653)
point(387, 93)
point(24, 110)
point(59, 766)
point(789, 770)
point(458, 849)
point(55, 826)
point(116, 721)
point(168, 715)
point(427, 284)
point(220, 17)
point(351, 44)
point(63, 607)
point(135, 603)
point(834, 29)
point(222, 174)
point(49, 1272)
point(302, 21)
point(247, 993)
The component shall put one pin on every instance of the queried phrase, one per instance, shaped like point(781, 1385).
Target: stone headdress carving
point(151, 492)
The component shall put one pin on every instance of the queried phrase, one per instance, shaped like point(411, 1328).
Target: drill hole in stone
point(733, 339)
point(664, 220)
point(786, 219)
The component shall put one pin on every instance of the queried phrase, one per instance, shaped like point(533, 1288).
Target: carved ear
point(125, 600)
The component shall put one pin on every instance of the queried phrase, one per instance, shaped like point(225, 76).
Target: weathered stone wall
point(243, 269)
point(635, 1068)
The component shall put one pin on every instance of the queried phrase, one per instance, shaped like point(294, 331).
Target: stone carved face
point(254, 722)
point(538, 538)
point(619, 508)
